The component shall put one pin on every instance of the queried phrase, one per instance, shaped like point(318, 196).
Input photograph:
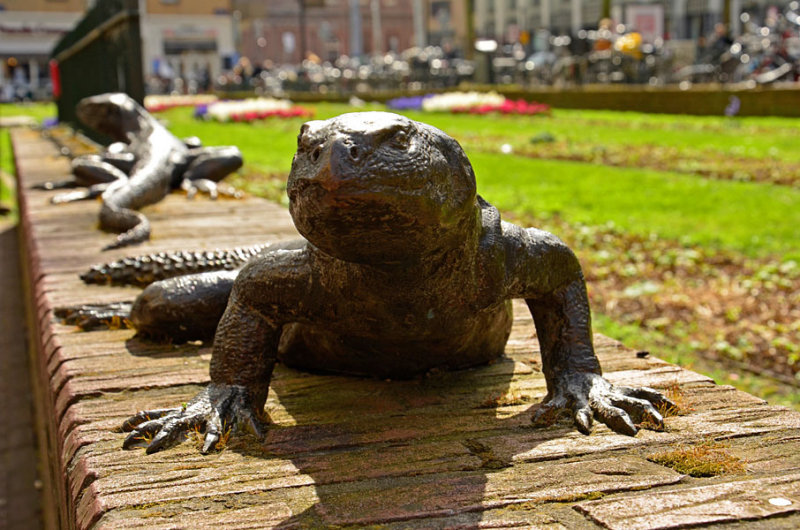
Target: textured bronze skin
point(146, 269)
point(403, 269)
point(145, 163)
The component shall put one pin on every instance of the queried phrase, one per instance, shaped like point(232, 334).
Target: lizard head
point(115, 115)
point(376, 187)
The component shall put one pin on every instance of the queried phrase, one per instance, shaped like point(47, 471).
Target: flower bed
point(468, 102)
point(248, 110)
point(508, 106)
point(157, 103)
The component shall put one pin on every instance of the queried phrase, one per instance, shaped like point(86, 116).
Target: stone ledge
point(442, 451)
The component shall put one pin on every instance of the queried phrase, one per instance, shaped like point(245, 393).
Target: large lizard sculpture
point(403, 268)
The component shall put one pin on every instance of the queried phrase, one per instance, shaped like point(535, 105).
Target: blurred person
point(204, 79)
point(244, 69)
point(701, 47)
point(605, 35)
point(719, 43)
point(630, 44)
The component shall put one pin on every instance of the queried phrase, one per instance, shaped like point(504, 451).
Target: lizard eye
point(301, 138)
point(400, 140)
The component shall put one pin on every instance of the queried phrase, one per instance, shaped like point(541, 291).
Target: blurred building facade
point(186, 44)
point(505, 20)
point(28, 31)
point(446, 24)
point(183, 42)
point(283, 31)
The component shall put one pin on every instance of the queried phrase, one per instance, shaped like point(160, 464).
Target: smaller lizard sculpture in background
point(144, 164)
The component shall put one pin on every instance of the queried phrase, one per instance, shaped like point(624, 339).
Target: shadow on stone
point(367, 445)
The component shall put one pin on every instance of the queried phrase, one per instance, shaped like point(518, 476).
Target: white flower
point(155, 103)
point(460, 100)
point(258, 107)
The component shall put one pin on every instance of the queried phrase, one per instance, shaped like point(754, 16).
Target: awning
point(177, 46)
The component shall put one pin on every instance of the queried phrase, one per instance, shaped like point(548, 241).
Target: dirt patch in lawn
point(722, 305)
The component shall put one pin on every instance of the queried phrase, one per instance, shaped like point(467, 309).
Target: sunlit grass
point(753, 218)
point(747, 217)
point(37, 111)
point(753, 137)
point(6, 157)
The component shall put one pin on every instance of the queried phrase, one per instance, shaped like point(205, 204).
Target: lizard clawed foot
point(588, 396)
point(215, 410)
point(213, 189)
point(82, 194)
point(56, 185)
point(96, 316)
point(191, 187)
point(73, 196)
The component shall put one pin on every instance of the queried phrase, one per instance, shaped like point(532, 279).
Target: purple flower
point(407, 103)
point(200, 111)
point(734, 104)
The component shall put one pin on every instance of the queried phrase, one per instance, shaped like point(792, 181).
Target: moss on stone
point(707, 459)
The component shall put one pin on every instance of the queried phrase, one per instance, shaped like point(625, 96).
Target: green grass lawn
point(747, 217)
point(7, 168)
point(37, 111)
point(756, 137)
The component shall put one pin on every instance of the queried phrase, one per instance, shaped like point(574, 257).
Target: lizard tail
point(146, 269)
point(134, 225)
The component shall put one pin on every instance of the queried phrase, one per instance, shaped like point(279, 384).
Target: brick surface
point(19, 498)
point(435, 452)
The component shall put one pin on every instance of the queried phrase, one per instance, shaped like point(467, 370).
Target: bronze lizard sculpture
point(403, 268)
point(144, 164)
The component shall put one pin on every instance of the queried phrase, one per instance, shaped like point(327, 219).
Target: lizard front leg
point(208, 167)
point(550, 279)
point(572, 371)
point(91, 171)
point(176, 309)
point(245, 351)
point(268, 293)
